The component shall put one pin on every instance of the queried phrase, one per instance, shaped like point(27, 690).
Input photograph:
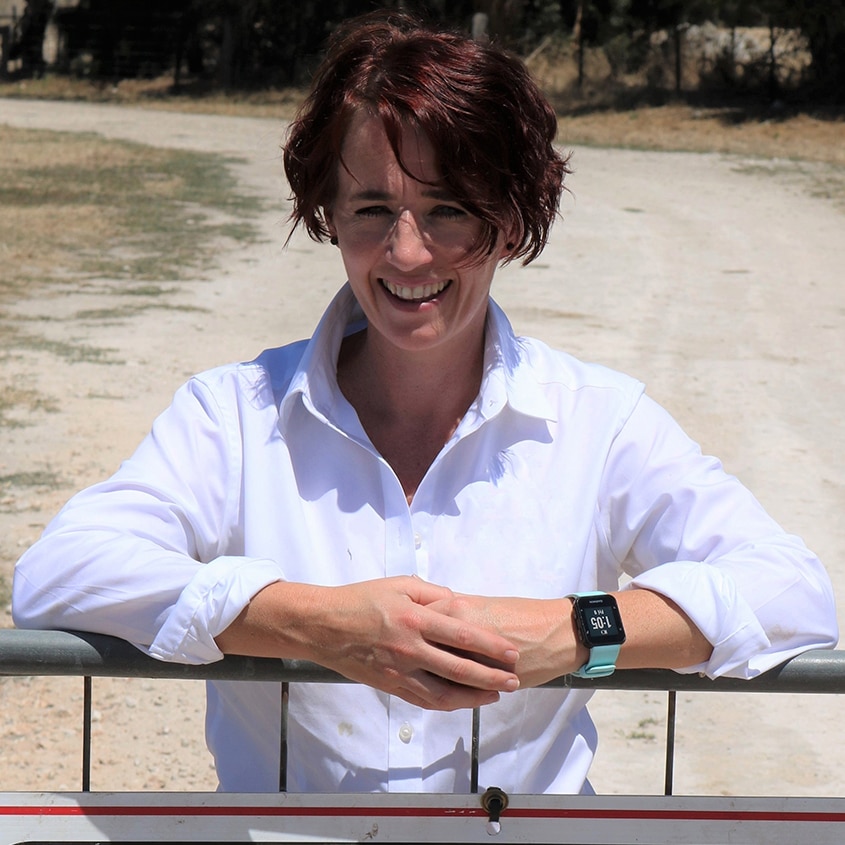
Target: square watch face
point(600, 621)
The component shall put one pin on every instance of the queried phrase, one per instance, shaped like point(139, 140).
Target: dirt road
point(716, 280)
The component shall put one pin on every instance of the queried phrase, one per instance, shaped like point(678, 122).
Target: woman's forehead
point(368, 156)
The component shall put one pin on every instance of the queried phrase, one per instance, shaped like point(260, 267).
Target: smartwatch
point(600, 628)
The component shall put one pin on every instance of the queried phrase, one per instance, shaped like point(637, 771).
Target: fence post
point(5, 41)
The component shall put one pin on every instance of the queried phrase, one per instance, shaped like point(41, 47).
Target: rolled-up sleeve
point(679, 525)
point(207, 605)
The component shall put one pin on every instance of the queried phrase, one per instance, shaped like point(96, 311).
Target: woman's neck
point(402, 384)
point(409, 403)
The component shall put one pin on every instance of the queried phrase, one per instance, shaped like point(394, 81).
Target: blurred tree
point(271, 42)
point(265, 42)
point(28, 41)
point(823, 24)
point(594, 22)
point(673, 16)
point(124, 38)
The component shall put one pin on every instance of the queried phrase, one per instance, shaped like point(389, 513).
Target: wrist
point(579, 653)
point(599, 627)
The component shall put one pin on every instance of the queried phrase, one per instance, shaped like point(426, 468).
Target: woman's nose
point(407, 248)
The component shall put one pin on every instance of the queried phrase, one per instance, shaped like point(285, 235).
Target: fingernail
point(512, 685)
point(511, 656)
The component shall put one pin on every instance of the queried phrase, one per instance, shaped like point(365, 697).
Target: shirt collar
point(315, 378)
point(510, 375)
point(508, 378)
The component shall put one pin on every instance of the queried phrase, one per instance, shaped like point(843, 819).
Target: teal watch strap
point(602, 662)
point(603, 658)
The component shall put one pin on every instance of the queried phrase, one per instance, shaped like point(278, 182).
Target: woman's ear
point(510, 239)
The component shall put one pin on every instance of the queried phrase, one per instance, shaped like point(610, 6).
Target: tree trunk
point(578, 38)
point(773, 68)
point(679, 63)
point(33, 25)
point(227, 51)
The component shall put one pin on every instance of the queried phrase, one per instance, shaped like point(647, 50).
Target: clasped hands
point(441, 650)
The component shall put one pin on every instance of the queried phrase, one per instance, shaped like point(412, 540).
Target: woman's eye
point(449, 212)
point(372, 211)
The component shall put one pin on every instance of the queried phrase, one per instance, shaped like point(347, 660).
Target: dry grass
point(18, 403)
point(622, 111)
point(76, 205)
point(710, 129)
point(36, 236)
point(604, 113)
point(81, 210)
point(34, 213)
point(159, 94)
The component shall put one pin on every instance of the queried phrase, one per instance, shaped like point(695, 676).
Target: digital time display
point(598, 620)
point(601, 622)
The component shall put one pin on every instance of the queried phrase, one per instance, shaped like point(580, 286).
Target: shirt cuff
point(710, 598)
point(219, 591)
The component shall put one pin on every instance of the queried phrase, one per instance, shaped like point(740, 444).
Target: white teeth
point(416, 293)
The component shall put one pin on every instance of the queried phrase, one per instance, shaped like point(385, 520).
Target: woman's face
point(406, 241)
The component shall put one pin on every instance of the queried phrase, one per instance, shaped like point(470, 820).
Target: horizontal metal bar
point(821, 671)
point(96, 655)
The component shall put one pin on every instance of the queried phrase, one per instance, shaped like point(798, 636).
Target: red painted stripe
point(429, 812)
point(678, 815)
point(241, 811)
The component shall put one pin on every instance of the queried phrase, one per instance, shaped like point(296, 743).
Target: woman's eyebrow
point(370, 194)
point(378, 195)
point(439, 194)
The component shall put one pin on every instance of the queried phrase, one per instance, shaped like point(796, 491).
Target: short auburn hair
point(491, 128)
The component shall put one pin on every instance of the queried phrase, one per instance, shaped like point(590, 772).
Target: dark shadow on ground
point(731, 107)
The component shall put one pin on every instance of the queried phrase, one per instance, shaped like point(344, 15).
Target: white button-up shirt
point(561, 477)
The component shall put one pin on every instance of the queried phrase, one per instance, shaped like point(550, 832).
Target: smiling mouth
point(418, 293)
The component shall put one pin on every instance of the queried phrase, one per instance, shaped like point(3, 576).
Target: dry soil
point(717, 279)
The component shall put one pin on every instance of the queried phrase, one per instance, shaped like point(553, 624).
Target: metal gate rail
point(28, 653)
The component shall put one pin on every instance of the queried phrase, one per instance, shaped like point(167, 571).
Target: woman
point(415, 497)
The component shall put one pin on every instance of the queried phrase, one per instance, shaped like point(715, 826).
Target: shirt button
point(417, 541)
point(406, 732)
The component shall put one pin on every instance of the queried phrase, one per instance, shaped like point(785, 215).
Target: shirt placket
point(406, 553)
point(405, 747)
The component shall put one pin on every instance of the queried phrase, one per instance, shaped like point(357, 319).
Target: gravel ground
point(717, 280)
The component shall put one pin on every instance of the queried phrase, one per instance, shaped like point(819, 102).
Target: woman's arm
point(384, 633)
point(659, 635)
point(717, 586)
point(153, 556)
point(683, 528)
